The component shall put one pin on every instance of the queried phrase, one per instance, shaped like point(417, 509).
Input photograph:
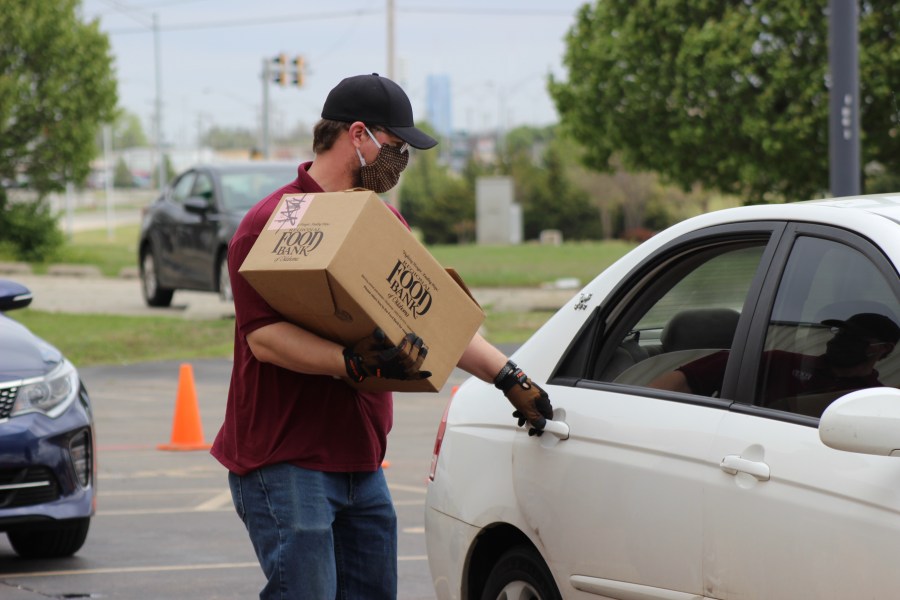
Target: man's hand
point(531, 402)
point(375, 356)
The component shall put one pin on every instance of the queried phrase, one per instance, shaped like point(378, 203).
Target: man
point(857, 345)
point(304, 448)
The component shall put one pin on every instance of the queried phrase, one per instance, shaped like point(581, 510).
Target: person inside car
point(847, 364)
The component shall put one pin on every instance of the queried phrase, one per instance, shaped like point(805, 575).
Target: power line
point(254, 22)
point(503, 12)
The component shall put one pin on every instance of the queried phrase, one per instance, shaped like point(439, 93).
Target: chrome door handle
point(734, 464)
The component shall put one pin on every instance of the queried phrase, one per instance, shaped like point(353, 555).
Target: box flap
point(459, 281)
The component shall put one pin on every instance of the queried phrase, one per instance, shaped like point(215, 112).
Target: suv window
point(832, 330)
point(203, 188)
point(181, 189)
point(689, 309)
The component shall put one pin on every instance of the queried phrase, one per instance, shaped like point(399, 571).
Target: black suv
point(185, 233)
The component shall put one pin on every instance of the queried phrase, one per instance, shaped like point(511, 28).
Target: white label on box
point(290, 212)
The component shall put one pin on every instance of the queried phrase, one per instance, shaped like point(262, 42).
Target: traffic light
point(281, 69)
point(299, 66)
point(288, 72)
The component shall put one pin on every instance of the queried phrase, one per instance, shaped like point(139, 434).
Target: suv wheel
point(154, 294)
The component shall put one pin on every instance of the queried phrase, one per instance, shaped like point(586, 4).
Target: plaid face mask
point(384, 172)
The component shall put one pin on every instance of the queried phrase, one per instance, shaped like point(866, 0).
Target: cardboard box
point(339, 264)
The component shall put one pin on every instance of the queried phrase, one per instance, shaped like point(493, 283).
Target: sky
point(496, 53)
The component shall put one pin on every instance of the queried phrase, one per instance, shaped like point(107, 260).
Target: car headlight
point(50, 394)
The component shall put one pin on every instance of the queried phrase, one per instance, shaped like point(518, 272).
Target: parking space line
point(408, 488)
point(156, 569)
point(409, 502)
point(159, 492)
point(135, 512)
point(217, 502)
point(119, 570)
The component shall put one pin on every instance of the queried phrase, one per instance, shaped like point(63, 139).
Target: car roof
point(886, 205)
point(883, 205)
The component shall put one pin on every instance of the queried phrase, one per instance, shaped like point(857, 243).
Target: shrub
point(30, 231)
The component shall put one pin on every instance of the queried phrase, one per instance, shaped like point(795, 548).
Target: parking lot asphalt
point(165, 528)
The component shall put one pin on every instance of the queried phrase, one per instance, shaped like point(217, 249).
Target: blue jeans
point(320, 535)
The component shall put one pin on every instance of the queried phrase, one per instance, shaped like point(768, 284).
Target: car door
point(618, 505)
point(197, 231)
point(786, 516)
point(167, 237)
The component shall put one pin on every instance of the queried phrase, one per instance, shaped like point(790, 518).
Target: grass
point(526, 265)
point(529, 265)
point(89, 339)
point(94, 247)
point(513, 327)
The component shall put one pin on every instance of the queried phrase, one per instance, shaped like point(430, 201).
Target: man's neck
point(330, 175)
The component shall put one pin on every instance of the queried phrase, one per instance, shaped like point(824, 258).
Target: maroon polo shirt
point(275, 415)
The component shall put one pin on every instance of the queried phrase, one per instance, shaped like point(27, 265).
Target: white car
point(775, 473)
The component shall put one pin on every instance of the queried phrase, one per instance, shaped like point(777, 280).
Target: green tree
point(128, 132)
point(731, 95)
point(169, 172)
point(56, 89)
point(437, 202)
point(122, 178)
point(539, 163)
point(229, 138)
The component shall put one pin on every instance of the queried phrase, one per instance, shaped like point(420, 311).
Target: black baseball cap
point(870, 325)
point(375, 100)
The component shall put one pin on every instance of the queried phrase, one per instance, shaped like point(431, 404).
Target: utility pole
point(160, 166)
point(286, 72)
point(390, 39)
point(266, 80)
point(843, 131)
point(393, 193)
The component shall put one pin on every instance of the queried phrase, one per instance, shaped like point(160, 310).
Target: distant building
point(438, 110)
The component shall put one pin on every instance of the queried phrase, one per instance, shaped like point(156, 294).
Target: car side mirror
point(197, 205)
point(13, 295)
point(865, 421)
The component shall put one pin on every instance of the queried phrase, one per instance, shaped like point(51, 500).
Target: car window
point(181, 189)
point(832, 329)
point(203, 187)
point(687, 310)
point(242, 189)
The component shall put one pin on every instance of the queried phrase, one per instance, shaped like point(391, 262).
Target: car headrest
point(700, 328)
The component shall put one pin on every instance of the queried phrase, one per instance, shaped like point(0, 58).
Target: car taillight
point(439, 438)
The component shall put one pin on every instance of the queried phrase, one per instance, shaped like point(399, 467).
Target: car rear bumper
point(448, 541)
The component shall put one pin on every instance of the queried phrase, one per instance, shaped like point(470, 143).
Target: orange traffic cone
point(187, 432)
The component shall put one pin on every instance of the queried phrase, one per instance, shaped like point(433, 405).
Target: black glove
point(531, 402)
point(375, 356)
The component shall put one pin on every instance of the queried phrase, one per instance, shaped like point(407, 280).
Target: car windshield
point(241, 189)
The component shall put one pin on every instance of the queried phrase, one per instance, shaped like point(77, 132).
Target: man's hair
point(326, 132)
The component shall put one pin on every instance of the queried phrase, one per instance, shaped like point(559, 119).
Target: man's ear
point(357, 133)
point(887, 352)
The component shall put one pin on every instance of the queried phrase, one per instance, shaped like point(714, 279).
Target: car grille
point(7, 399)
point(27, 486)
